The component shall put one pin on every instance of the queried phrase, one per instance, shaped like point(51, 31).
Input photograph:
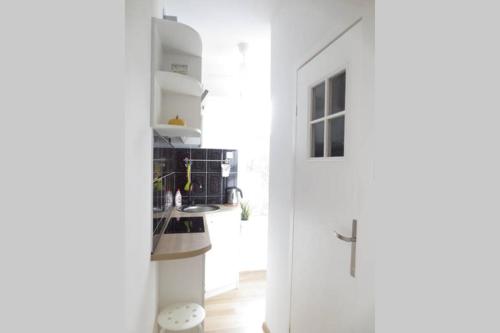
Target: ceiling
point(223, 24)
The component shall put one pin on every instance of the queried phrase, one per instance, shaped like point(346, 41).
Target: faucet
point(190, 200)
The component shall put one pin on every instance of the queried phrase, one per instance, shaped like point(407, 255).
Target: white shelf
point(173, 131)
point(176, 43)
point(179, 83)
point(178, 37)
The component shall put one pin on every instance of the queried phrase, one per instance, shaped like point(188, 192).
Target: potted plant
point(245, 211)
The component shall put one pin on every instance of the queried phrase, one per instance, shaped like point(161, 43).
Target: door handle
point(345, 239)
point(352, 240)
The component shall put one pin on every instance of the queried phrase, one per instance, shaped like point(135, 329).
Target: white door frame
point(300, 65)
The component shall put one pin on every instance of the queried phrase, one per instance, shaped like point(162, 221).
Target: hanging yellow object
point(176, 121)
point(187, 187)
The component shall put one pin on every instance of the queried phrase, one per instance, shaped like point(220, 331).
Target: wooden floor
point(241, 310)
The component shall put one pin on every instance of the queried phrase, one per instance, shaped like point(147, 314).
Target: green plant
point(158, 184)
point(245, 211)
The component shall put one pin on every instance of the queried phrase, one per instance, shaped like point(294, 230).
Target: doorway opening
point(236, 115)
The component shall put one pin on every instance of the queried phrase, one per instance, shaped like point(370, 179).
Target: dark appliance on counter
point(233, 195)
point(183, 225)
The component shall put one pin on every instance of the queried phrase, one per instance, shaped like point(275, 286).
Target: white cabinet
point(181, 280)
point(222, 270)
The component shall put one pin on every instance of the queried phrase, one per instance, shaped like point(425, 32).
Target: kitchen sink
point(199, 208)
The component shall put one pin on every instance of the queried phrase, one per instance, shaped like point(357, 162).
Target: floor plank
point(241, 310)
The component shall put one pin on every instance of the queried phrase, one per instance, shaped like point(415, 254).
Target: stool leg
point(200, 329)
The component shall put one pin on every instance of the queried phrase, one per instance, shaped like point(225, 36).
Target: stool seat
point(181, 316)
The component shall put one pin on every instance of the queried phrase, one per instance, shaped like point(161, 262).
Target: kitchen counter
point(186, 245)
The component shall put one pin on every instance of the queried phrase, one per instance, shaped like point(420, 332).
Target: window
point(327, 117)
point(318, 102)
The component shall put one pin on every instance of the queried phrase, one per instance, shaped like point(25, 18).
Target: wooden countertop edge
point(186, 245)
point(181, 255)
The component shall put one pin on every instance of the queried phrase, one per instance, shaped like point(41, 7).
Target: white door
point(332, 169)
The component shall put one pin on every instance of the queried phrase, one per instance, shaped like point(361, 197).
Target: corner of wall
point(141, 275)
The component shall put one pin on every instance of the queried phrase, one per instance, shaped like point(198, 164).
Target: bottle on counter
point(169, 201)
point(178, 199)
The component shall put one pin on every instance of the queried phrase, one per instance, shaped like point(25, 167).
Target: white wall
point(298, 29)
point(62, 175)
point(141, 274)
point(437, 166)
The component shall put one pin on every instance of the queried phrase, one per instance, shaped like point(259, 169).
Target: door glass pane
point(317, 139)
point(318, 101)
point(337, 93)
point(336, 136)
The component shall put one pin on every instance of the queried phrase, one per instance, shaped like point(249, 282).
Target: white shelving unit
point(177, 131)
point(179, 83)
point(176, 45)
point(179, 37)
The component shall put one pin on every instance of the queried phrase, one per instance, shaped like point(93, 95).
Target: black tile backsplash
point(214, 154)
point(199, 166)
point(195, 200)
point(170, 159)
point(214, 184)
point(231, 181)
point(169, 166)
point(213, 167)
point(199, 181)
point(214, 200)
point(164, 160)
point(199, 154)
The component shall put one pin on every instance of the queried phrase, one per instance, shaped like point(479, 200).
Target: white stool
point(181, 317)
